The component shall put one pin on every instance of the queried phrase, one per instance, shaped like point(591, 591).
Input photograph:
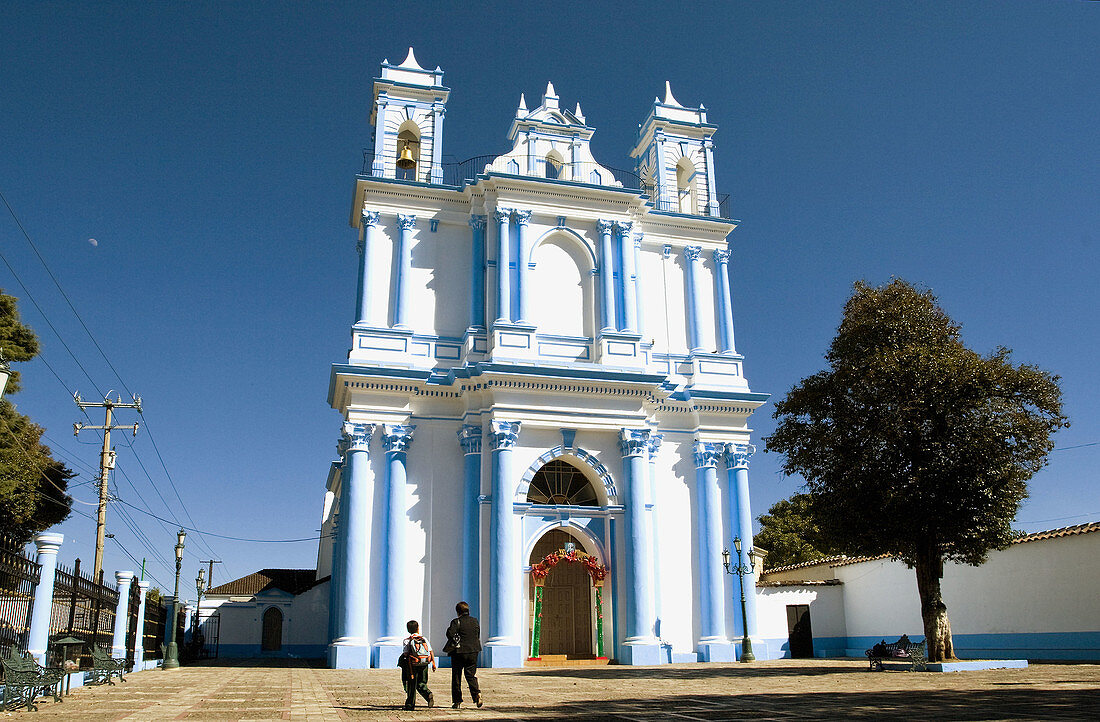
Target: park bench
point(104, 666)
point(900, 651)
point(25, 679)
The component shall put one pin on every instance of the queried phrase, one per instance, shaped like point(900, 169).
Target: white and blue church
point(545, 413)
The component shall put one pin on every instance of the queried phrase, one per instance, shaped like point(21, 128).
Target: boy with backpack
point(416, 656)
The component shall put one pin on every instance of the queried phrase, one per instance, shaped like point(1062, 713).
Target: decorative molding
point(469, 437)
point(623, 228)
point(406, 222)
point(707, 454)
point(666, 251)
point(356, 437)
point(503, 435)
point(634, 442)
point(501, 215)
point(397, 437)
point(586, 457)
point(692, 253)
point(738, 455)
point(721, 257)
point(655, 444)
point(478, 222)
point(369, 218)
point(604, 226)
point(522, 218)
point(638, 239)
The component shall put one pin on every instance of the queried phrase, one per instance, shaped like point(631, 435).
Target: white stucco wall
point(827, 620)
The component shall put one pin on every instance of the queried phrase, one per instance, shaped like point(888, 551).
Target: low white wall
point(827, 620)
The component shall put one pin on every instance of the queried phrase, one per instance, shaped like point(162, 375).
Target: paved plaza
point(785, 689)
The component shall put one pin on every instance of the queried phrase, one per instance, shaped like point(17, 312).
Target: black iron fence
point(19, 575)
point(156, 617)
point(83, 608)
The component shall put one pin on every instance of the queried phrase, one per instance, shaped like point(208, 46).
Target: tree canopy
point(913, 445)
point(32, 483)
point(790, 534)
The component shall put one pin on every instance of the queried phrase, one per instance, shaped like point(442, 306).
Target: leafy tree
point(154, 597)
point(790, 533)
point(912, 444)
point(32, 482)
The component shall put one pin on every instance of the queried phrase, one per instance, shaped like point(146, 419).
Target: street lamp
point(740, 570)
point(197, 636)
point(171, 654)
point(5, 373)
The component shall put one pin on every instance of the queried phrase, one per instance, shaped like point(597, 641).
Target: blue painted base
point(289, 651)
point(716, 652)
point(977, 665)
point(384, 656)
point(641, 654)
point(502, 657)
point(346, 656)
point(684, 657)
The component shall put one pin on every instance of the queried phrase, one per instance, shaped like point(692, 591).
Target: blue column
point(406, 224)
point(378, 165)
point(350, 647)
point(523, 281)
point(122, 613)
point(714, 646)
point(636, 249)
point(725, 303)
point(477, 272)
point(628, 296)
point(139, 642)
point(607, 290)
point(369, 221)
point(712, 195)
point(691, 278)
point(38, 637)
point(640, 646)
point(503, 648)
point(737, 471)
point(469, 436)
point(654, 526)
point(437, 143)
point(504, 277)
point(396, 439)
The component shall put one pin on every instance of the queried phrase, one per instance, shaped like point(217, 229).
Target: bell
point(405, 161)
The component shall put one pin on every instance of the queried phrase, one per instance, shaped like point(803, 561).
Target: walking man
point(463, 645)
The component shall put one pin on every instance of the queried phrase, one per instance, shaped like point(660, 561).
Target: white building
point(542, 359)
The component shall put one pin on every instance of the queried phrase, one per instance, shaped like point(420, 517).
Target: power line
point(231, 538)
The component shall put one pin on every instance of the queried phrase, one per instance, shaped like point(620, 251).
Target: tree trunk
point(937, 628)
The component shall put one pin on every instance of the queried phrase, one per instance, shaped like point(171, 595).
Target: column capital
point(604, 226)
point(637, 239)
point(143, 586)
point(655, 444)
point(397, 437)
point(721, 257)
point(406, 222)
point(692, 253)
point(48, 543)
point(477, 222)
point(522, 218)
point(623, 228)
point(738, 455)
point(369, 218)
point(707, 454)
point(355, 437)
point(124, 578)
point(501, 215)
point(503, 435)
point(633, 442)
point(469, 437)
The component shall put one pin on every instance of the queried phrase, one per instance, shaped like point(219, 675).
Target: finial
point(410, 61)
point(578, 113)
point(669, 98)
point(549, 91)
point(522, 102)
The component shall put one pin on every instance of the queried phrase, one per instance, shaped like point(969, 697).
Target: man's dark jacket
point(468, 632)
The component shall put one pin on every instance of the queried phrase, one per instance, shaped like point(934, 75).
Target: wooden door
point(566, 601)
point(272, 639)
point(799, 634)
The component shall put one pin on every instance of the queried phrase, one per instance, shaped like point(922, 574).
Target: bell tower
point(675, 157)
point(407, 116)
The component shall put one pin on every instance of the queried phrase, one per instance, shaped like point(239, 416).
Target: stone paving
point(781, 689)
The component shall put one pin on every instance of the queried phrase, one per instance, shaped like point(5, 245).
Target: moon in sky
point(93, 241)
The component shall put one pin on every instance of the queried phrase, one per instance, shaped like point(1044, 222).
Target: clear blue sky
point(210, 149)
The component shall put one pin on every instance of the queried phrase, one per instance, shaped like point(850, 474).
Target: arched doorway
point(271, 639)
point(566, 625)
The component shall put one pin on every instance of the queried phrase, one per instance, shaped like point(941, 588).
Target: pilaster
point(607, 291)
point(504, 297)
point(503, 648)
point(477, 273)
point(139, 642)
point(38, 636)
point(402, 283)
point(396, 439)
point(714, 645)
point(692, 263)
point(369, 223)
point(737, 458)
point(469, 436)
point(639, 646)
point(122, 613)
point(523, 283)
point(626, 277)
point(350, 648)
point(725, 302)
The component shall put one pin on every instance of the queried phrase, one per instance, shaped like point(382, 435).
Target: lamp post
point(171, 654)
point(740, 570)
point(5, 372)
point(197, 637)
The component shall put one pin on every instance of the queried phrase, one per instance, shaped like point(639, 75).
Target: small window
point(561, 483)
point(554, 165)
point(687, 187)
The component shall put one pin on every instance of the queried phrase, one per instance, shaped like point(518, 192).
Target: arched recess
point(585, 462)
point(271, 637)
point(555, 165)
point(408, 136)
point(687, 187)
point(562, 284)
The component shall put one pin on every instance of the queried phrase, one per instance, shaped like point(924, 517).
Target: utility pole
point(211, 562)
point(106, 461)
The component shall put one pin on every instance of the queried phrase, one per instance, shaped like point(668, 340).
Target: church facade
point(545, 412)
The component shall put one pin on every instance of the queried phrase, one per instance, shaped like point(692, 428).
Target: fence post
point(39, 638)
point(139, 643)
point(122, 613)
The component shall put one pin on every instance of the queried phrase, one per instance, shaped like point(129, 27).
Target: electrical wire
point(232, 538)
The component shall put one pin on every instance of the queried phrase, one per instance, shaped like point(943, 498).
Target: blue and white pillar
point(139, 640)
point(438, 111)
point(469, 436)
point(654, 532)
point(504, 276)
point(477, 272)
point(629, 294)
point(523, 274)
point(378, 165)
point(402, 284)
point(122, 613)
point(714, 646)
point(712, 194)
point(503, 648)
point(636, 251)
point(607, 288)
point(38, 637)
point(639, 646)
point(396, 439)
point(725, 302)
point(694, 305)
point(737, 471)
point(350, 648)
point(369, 221)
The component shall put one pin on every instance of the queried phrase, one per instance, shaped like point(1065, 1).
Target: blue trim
point(288, 651)
point(693, 393)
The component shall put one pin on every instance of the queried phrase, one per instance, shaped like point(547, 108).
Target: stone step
point(566, 660)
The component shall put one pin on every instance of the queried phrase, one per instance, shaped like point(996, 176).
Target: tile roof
point(293, 581)
point(803, 565)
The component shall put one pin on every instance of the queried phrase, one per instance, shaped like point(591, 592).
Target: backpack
point(417, 651)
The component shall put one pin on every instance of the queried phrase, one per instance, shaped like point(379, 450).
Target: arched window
point(272, 635)
point(686, 187)
point(561, 483)
point(554, 165)
point(408, 149)
point(562, 284)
